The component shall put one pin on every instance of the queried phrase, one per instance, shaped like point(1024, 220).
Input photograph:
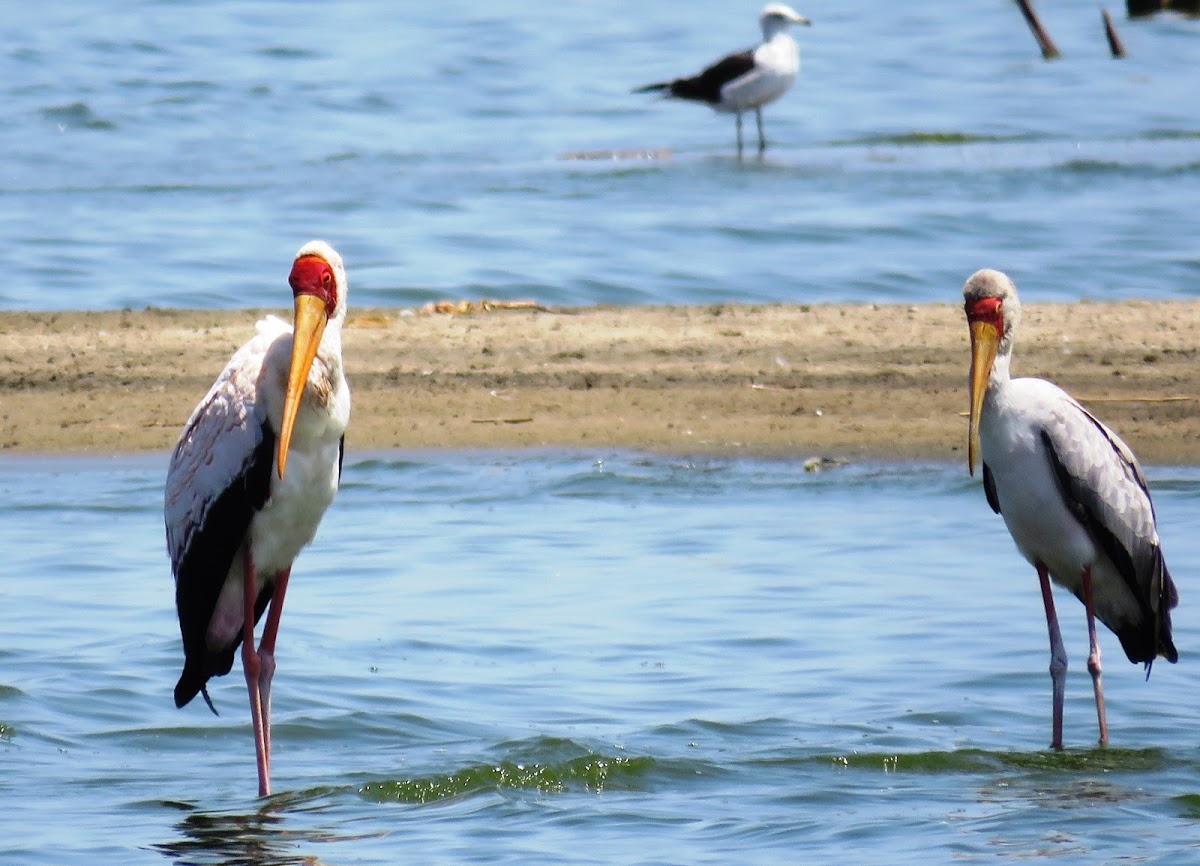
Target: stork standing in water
point(255, 468)
point(748, 79)
point(1071, 494)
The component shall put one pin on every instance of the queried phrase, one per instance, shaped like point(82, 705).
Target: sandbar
point(854, 381)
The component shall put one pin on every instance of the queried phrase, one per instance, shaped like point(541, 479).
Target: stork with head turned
point(255, 468)
point(1071, 494)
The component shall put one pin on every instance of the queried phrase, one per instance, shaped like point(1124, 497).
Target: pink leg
point(1058, 658)
point(1094, 655)
point(266, 654)
point(252, 668)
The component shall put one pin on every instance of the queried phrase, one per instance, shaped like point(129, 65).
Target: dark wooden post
point(1110, 30)
point(1049, 49)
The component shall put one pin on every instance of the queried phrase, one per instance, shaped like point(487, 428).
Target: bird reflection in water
point(268, 836)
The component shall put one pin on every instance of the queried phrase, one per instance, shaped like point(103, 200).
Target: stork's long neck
point(330, 352)
point(1000, 376)
point(999, 384)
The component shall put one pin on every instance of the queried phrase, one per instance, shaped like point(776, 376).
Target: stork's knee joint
point(1058, 667)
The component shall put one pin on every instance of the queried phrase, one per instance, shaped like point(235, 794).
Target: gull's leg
point(762, 139)
point(1094, 655)
point(252, 668)
point(1058, 657)
point(739, 134)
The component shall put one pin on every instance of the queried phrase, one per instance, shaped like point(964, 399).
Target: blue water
point(178, 153)
point(600, 657)
point(545, 657)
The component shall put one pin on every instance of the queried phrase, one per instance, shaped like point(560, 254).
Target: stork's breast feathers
point(321, 381)
point(325, 406)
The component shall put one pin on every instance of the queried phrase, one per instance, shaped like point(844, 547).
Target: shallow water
point(586, 657)
point(178, 153)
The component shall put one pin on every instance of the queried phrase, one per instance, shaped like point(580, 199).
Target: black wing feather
point(206, 562)
point(706, 87)
point(1139, 561)
point(989, 489)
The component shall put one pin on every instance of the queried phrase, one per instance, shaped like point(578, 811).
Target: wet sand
point(845, 380)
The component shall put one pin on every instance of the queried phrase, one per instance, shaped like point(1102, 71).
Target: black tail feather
point(198, 668)
point(191, 682)
point(1168, 597)
point(652, 88)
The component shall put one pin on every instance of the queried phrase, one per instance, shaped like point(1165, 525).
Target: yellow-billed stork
point(255, 468)
point(1071, 494)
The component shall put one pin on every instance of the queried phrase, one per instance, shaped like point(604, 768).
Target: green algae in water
point(588, 773)
point(979, 760)
point(930, 137)
point(1189, 806)
point(966, 761)
point(1091, 760)
point(1171, 134)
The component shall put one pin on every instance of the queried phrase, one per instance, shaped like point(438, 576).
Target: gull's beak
point(985, 340)
point(800, 19)
point(308, 326)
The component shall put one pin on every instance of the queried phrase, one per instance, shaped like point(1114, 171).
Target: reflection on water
point(267, 836)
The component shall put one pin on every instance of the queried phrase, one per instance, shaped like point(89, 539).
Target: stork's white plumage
point(746, 79)
point(1072, 496)
point(255, 468)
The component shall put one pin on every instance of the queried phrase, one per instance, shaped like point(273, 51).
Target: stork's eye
point(327, 279)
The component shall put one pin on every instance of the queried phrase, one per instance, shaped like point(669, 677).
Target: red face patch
point(986, 310)
point(312, 275)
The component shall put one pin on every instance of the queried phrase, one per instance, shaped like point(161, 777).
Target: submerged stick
point(1049, 49)
point(1110, 31)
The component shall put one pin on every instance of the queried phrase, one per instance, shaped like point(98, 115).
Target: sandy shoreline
point(839, 380)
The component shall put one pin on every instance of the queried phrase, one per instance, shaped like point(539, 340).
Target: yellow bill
point(307, 329)
point(985, 340)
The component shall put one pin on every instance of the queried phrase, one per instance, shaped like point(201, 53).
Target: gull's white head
point(776, 17)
